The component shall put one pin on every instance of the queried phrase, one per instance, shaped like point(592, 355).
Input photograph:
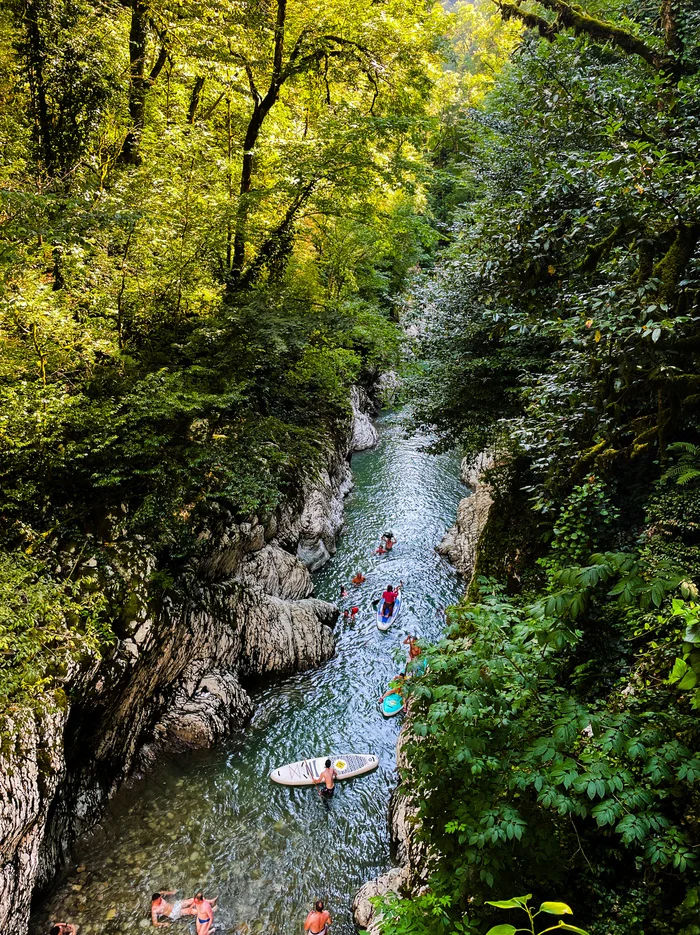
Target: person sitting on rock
point(170, 912)
point(318, 921)
point(63, 928)
point(359, 578)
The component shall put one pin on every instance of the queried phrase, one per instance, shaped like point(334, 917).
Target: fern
point(687, 468)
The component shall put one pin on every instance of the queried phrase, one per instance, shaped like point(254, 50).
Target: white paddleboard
point(303, 772)
point(384, 622)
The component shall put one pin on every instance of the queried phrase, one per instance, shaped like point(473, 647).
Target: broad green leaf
point(503, 903)
point(502, 930)
point(556, 909)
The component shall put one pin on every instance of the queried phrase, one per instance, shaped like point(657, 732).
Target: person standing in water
point(318, 921)
point(359, 578)
point(204, 914)
point(327, 777)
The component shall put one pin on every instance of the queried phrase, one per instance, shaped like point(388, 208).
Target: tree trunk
point(35, 60)
point(139, 82)
point(137, 86)
point(261, 108)
point(195, 98)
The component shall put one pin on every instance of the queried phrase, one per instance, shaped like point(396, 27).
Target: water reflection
point(213, 819)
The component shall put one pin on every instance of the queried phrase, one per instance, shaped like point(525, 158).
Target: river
point(213, 819)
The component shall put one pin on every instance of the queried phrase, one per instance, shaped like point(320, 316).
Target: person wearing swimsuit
point(204, 914)
point(318, 921)
point(170, 912)
point(328, 778)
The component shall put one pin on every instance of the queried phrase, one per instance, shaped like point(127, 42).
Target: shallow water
point(213, 819)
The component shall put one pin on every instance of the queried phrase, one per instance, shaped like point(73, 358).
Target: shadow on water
point(213, 819)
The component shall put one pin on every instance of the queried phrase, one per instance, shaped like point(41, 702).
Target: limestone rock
point(31, 768)
point(217, 706)
point(393, 881)
point(173, 680)
point(364, 434)
point(459, 542)
point(277, 572)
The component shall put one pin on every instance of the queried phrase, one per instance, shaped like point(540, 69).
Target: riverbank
point(211, 818)
point(175, 680)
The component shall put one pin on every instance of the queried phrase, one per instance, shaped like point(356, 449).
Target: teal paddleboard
point(392, 704)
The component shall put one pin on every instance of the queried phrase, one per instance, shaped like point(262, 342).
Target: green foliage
point(523, 764)
point(521, 902)
point(686, 468)
point(48, 627)
point(177, 347)
point(583, 519)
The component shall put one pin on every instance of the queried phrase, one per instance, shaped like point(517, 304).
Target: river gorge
point(212, 818)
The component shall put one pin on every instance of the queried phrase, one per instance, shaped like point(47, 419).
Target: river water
point(213, 819)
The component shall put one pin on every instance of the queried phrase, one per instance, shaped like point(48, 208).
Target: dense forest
point(209, 212)
point(217, 217)
point(555, 736)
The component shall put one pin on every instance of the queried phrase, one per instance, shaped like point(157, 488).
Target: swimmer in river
point(318, 921)
point(388, 541)
point(359, 578)
point(204, 914)
point(63, 928)
point(170, 912)
point(354, 611)
point(343, 591)
point(327, 777)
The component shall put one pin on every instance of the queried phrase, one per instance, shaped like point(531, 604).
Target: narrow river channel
point(213, 819)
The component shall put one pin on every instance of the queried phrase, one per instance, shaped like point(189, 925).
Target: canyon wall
point(175, 679)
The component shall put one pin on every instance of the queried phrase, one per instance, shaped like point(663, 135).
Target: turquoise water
point(213, 819)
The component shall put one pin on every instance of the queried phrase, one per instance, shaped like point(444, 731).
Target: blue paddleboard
point(391, 705)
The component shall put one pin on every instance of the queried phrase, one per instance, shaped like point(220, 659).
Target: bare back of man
point(318, 921)
point(326, 780)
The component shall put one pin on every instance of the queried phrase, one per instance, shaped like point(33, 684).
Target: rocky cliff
point(176, 677)
point(460, 541)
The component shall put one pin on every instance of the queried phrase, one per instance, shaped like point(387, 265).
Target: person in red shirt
point(389, 597)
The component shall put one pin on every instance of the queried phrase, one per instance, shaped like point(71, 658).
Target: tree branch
point(158, 65)
point(278, 54)
point(570, 17)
